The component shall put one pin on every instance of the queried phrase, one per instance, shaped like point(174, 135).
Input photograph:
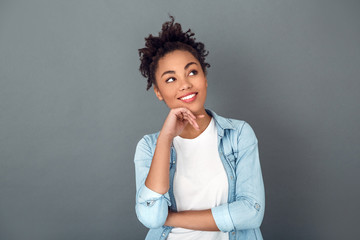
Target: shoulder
point(243, 127)
point(151, 138)
point(148, 140)
point(231, 124)
point(241, 133)
point(236, 123)
point(240, 127)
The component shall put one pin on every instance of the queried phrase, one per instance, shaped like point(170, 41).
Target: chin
point(196, 109)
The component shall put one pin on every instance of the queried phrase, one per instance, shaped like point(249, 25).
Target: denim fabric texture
point(242, 215)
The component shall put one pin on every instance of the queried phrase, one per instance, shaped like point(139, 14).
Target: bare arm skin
point(158, 176)
point(196, 220)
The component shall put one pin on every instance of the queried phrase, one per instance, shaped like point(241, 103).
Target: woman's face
point(179, 74)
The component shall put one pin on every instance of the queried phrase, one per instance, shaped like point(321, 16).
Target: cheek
point(204, 83)
point(169, 93)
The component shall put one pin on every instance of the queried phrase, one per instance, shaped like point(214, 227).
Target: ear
point(157, 93)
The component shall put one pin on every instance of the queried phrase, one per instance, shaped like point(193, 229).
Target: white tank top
point(200, 180)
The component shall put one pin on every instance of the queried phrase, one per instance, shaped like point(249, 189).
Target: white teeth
point(188, 97)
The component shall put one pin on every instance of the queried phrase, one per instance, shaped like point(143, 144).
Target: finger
point(189, 116)
point(189, 113)
point(193, 118)
point(189, 119)
point(192, 122)
point(179, 115)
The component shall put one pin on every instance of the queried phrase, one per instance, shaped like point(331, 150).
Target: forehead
point(176, 59)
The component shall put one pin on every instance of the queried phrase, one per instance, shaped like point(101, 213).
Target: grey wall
point(73, 106)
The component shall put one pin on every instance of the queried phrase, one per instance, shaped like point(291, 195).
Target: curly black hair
point(170, 38)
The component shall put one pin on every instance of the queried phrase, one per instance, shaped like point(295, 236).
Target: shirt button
point(233, 233)
point(257, 206)
point(163, 234)
point(174, 162)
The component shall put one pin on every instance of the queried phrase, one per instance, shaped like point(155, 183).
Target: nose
point(185, 84)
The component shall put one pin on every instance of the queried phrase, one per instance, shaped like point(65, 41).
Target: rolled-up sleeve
point(151, 207)
point(247, 211)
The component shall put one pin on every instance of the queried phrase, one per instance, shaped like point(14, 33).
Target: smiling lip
point(189, 99)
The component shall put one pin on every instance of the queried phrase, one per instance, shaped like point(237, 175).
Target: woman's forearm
point(201, 220)
point(158, 176)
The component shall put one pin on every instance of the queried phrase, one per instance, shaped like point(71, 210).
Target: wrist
point(165, 137)
point(170, 219)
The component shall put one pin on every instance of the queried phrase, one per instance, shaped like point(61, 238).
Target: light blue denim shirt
point(242, 215)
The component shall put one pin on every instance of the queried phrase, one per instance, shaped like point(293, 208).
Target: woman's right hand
point(177, 120)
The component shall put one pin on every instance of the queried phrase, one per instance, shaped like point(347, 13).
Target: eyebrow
point(186, 67)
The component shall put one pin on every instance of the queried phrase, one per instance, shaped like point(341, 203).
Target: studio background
point(73, 106)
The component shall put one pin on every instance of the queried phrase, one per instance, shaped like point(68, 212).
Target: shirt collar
point(222, 123)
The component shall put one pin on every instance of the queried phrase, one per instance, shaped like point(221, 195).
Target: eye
point(193, 72)
point(170, 80)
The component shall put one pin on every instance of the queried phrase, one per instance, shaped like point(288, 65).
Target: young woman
point(199, 177)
